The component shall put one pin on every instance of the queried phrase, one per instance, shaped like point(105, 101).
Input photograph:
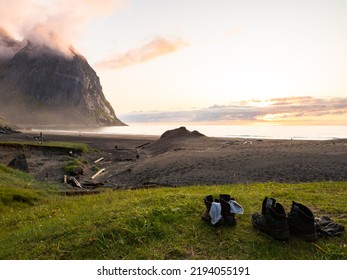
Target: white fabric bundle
point(215, 212)
point(235, 207)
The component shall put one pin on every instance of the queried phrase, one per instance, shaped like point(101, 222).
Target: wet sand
point(186, 159)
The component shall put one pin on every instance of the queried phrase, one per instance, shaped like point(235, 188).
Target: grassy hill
point(161, 223)
point(81, 148)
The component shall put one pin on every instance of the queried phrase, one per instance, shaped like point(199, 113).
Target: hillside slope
point(161, 223)
point(39, 85)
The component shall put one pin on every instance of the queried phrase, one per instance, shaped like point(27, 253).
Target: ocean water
point(236, 131)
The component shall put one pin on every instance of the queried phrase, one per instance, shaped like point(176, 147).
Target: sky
point(206, 61)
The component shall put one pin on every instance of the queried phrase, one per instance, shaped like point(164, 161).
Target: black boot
point(208, 202)
point(301, 222)
point(272, 220)
point(229, 218)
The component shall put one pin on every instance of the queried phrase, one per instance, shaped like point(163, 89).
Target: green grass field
point(83, 148)
point(163, 223)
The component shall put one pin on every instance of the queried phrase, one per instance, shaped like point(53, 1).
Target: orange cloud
point(157, 47)
point(8, 45)
point(304, 110)
point(56, 24)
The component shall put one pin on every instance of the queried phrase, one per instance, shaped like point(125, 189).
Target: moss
point(75, 166)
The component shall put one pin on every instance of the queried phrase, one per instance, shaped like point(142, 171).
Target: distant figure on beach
point(41, 138)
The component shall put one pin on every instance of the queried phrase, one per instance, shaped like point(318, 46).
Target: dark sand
point(179, 160)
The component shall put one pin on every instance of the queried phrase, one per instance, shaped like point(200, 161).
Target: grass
point(83, 148)
point(161, 223)
point(75, 166)
point(20, 190)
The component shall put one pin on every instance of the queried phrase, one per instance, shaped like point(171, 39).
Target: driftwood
point(97, 173)
point(65, 179)
point(75, 182)
point(92, 184)
point(98, 160)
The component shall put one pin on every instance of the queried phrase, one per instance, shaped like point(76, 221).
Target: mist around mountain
point(40, 85)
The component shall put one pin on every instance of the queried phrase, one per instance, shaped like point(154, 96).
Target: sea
point(228, 131)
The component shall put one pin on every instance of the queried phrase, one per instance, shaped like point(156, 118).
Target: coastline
point(133, 161)
point(262, 131)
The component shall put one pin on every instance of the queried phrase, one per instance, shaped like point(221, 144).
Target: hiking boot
point(229, 218)
point(216, 219)
point(208, 202)
point(301, 222)
point(272, 220)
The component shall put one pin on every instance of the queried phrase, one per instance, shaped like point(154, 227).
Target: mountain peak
point(8, 45)
point(38, 49)
point(48, 87)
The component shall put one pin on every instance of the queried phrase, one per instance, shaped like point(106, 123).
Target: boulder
point(19, 163)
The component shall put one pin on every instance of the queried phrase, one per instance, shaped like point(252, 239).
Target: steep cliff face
point(42, 86)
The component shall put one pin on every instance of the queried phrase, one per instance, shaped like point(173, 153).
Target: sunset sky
point(209, 61)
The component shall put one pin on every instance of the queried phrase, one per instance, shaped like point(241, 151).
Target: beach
point(183, 159)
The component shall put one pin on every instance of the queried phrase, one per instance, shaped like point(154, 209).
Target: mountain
point(8, 46)
point(6, 128)
point(42, 86)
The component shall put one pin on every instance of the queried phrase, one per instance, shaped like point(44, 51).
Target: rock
point(48, 87)
point(181, 132)
point(19, 163)
point(8, 130)
point(176, 140)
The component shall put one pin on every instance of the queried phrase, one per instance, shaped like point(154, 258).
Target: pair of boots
point(221, 211)
point(274, 221)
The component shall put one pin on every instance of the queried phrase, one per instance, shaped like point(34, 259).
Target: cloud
point(308, 106)
point(157, 47)
point(206, 115)
point(8, 45)
point(276, 110)
point(56, 24)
